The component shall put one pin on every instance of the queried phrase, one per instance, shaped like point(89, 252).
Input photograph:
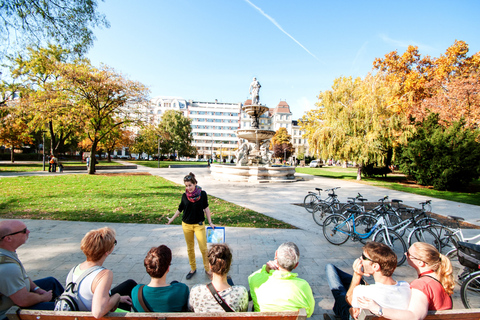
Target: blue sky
point(211, 49)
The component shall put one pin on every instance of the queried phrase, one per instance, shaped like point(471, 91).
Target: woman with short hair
point(94, 290)
point(431, 291)
point(158, 295)
point(234, 297)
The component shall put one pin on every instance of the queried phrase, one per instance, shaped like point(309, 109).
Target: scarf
point(195, 195)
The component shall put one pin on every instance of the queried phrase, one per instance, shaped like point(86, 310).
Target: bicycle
point(337, 230)
point(353, 205)
point(469, 257)
point(311, 200)
point(326, 207)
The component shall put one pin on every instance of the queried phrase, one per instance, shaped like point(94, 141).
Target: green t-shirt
point(280, 291)
point(172, 298)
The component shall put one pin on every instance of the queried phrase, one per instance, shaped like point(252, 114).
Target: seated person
point(16, 287)
point(431, 291)
point(276, 288)
point(235, 297)
point(158, 295)
point(94, 290)
point(377, 260)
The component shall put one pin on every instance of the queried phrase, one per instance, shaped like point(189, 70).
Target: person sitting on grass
point(431, 291)
point(229, 298)
point(158, 295)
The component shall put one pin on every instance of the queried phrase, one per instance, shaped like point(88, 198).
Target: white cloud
point(403, 43)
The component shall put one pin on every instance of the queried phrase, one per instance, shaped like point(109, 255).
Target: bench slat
point(454, 314)
point(15, 313)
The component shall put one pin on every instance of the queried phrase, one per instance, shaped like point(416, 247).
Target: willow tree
point(105, 98)
point(355, 122)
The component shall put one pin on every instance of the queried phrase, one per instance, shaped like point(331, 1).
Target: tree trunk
point(93, 157)
point(359, 172)
point(52, 138)
point(12, 152)
point(109, 159)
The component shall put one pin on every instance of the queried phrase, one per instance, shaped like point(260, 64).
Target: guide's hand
point(169, 219)
point(212, 225)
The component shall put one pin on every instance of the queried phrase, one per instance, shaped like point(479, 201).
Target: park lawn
point(165, 164)
point(38, 166)
point(398, 182)
point(136, 198)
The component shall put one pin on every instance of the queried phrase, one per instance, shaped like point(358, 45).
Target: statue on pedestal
point(255, 91)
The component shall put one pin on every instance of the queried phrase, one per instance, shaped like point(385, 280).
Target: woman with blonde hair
point(96, 281)
point(431, 291)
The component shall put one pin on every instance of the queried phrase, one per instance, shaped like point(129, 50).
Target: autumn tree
point(149, 139)
point(179, 129)
point(68, 23)
point(105, 98)
point(281, 144)
point(49, 107)
point(13, 129)
point(354, 121)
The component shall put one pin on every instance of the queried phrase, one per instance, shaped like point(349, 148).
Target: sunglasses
point(187, 178)
point(11, 234)
point(115, 243)
point(409, 256)
point(364, 257)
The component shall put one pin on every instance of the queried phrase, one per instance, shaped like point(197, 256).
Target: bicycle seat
point(332, 195)
point(350, 198)
point(362, 199)
point(352, 211)
point(318, 189)
point(456, 218)
point(397, 200)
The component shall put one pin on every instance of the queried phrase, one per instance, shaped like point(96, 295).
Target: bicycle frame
point(380, 222)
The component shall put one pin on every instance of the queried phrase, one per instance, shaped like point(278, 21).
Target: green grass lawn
point(112, 198)
point(165, 164)
point(397, 182)
point(38, 166)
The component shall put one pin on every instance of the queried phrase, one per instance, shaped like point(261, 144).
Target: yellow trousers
point(189, 231)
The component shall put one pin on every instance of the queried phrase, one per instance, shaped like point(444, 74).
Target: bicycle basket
point(469, 255)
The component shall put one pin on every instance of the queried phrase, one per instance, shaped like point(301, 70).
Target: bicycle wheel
point(394, 241)
point(351, 206)
point(320, 212)
point(448, 239)
point(424, 234)
point(363, 225)
point(470, 291)
point(392, 218)
point(309, 202)
point(336, 229)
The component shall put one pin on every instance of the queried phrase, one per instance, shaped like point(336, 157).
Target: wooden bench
point(454, 314)
point(15, 313)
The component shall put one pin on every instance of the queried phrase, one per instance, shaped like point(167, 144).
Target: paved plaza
point(54, 246)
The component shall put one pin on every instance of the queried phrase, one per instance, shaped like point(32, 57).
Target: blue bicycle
point(337, 230)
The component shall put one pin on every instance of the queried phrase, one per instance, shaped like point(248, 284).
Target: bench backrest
point(15, 313)
point(454, 314)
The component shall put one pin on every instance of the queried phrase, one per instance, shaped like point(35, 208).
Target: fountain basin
point(254, 135)
point(252, 173)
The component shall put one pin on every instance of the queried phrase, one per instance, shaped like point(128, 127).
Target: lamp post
point(43, 149)
point(211, 150)
point(158, 152)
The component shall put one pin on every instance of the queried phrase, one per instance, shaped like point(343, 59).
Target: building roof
point(282, 107)
point(247, 102)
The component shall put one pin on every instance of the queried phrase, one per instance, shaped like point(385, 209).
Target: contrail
point(281, 29)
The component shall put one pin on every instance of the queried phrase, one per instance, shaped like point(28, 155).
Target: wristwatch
point(380, 312)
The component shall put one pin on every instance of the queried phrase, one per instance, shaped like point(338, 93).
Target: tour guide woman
point(194, 204)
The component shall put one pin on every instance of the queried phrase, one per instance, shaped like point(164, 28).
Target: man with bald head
point(16, 288)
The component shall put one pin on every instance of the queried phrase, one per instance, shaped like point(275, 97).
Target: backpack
point(69, 300)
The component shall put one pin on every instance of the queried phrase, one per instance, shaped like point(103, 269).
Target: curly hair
point(220, 258)
point(157, 261)
point(438, 263)
point(98, 242)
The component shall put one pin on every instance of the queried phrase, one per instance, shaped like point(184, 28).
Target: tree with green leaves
point(148, 140)
point(447, 158)
point(179, 129)
point(105, 98)
point(68, 23)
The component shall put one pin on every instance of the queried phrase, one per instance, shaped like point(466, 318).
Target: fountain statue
point(254, 157)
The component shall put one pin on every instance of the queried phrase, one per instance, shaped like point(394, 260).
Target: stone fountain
point(254, 156)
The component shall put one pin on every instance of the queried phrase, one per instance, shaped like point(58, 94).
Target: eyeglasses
point(364, 257)
point(11, 234)
point(115, 243)
point(187, 178)
point(409, 256)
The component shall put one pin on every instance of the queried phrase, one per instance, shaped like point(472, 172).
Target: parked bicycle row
point(396, 225)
